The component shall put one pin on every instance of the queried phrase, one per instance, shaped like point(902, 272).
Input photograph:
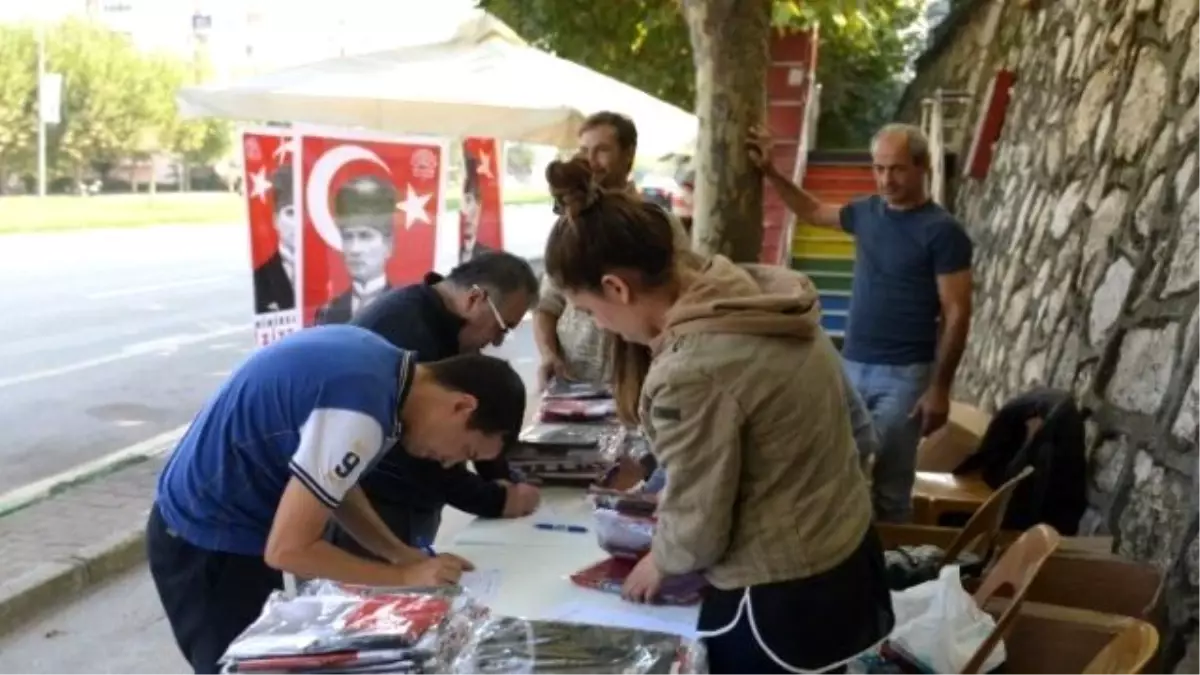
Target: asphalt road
point(111, 337)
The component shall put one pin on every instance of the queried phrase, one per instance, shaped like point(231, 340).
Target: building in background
point(239, 38)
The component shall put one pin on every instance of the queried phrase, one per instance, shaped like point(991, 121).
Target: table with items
point(545, 594)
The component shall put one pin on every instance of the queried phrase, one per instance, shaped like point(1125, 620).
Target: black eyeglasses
point(504, 327)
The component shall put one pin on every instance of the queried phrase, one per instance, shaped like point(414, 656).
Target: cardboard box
point(943, 450)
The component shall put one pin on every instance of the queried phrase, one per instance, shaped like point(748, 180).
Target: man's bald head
point(900, 159)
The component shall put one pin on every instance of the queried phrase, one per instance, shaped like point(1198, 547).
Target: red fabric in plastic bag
point(609, 576)
point(407, 615)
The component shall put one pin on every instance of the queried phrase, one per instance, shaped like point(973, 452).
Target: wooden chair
point(1050, 638)
point(1128, 652)
point(1013, 572)
point(936, 494)
point(980, 533)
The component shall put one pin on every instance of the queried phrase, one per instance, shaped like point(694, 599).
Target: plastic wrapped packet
point(608, 576)
point(335, 588)
point(623, 535)
point(559, 388)
point(614, 444)
point(330, 627)
point(565, 434)
point(512, 645)
point(576, 410)
point(628, 504)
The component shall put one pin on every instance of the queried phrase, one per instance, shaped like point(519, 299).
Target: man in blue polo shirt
point(910, 308)
point(282, 446)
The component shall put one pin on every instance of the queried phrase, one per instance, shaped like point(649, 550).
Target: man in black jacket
point(477, 304)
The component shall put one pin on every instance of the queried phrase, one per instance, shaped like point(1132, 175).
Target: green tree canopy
point(18, 101)
point(108, 96)
point(865, 46)
point(117, 102)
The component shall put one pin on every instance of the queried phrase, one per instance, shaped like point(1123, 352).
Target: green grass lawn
point(57, 213)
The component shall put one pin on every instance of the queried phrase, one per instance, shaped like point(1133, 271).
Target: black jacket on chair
point(1056, 493)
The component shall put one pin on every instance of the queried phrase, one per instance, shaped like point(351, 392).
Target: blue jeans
point(890, 393)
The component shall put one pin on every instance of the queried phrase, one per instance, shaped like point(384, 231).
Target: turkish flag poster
point(479, 214)
point(270, 186)
point(370, 220)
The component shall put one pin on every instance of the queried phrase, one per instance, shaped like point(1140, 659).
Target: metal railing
point(933, 123)
point(936, 121)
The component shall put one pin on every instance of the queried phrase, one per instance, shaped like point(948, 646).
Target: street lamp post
point(41, 112)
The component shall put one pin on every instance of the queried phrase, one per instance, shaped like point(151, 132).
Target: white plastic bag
point(939, 626)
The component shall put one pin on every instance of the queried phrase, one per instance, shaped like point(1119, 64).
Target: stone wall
point(1086, 233)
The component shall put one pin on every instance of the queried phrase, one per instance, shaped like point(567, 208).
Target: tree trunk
point(729, 46)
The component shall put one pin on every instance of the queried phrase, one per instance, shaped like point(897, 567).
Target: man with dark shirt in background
point(477, 304)
point(910, 307)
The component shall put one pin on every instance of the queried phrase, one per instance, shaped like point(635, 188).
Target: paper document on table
point(483, 585)
point(525, 532)
point(675, 620)
point(522, 532)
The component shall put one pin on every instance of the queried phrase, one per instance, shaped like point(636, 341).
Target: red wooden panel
point(991, 122)
point(784, 121)
point(791, 64)
point(798, 46)
point(787, 83)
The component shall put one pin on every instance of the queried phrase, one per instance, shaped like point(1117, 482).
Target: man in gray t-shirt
point(570, 344)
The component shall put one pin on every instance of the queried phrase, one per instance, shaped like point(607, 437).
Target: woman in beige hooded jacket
point(743, 403)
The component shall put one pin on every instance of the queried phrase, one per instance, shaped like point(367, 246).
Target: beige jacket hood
point(745, 299)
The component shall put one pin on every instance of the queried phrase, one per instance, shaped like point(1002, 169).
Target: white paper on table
point(524, 532)
point(483, 585)
point(636, 617)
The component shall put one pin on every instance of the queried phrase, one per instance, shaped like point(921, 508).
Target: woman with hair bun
point(741, 396)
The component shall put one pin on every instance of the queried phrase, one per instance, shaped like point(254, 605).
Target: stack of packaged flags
point(625, 530)
point(329, 628)
point(334, 628)
point(566, 442)
point(511, 645)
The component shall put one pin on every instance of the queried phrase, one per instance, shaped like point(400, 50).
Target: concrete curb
point(49, 487)
point(52, 582)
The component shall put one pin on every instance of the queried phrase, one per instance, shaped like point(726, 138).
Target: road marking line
point(136, 290)
point(168, 345)
point(149, 448)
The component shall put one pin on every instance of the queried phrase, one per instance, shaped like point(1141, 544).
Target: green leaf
point(864, 48)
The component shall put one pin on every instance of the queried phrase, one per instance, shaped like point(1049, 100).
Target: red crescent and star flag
point(480, 224)
point(268, 186)
point(344, 269)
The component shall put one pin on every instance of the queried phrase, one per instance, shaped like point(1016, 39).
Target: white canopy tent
point(484, 81)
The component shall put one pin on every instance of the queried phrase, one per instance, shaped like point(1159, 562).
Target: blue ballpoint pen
point(426, 548)
point(560, 527)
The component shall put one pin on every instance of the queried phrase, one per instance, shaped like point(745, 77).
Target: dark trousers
point(209, 597)
point(807, 623)
point(415, 527)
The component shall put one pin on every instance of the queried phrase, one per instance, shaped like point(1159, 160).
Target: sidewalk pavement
point(84, 534)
